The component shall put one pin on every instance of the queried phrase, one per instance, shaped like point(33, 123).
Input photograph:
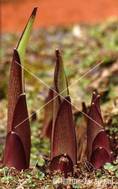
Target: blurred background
point(53, 12)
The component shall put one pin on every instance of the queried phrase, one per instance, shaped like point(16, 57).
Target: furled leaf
point(101, 140)
point(64, 137)
point(18, 142)
point(22, 44)
point(15, 82)
point(99, 157)
point(98, 146)
point(14, 154)
point(60, 86)
point(15, 87)
point(21, 126)
point(94, 126)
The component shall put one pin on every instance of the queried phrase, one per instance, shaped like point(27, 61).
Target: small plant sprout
point(63, 139)
point(18, 140)
point(98, 146)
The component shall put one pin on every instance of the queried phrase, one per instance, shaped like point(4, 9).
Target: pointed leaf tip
point(60, 80)
point(34, 11)
point(21, 46)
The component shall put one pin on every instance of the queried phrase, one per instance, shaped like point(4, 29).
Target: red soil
point(55, 12)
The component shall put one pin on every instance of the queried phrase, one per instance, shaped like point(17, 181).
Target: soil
point(14, 13)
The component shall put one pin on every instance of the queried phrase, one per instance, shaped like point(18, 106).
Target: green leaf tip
point(34, 12)
point(21, 46)
point(60, 80)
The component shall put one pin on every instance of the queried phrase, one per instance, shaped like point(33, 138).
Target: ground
point(51, 12)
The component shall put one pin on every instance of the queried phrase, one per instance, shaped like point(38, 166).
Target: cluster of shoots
point(58, 126)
